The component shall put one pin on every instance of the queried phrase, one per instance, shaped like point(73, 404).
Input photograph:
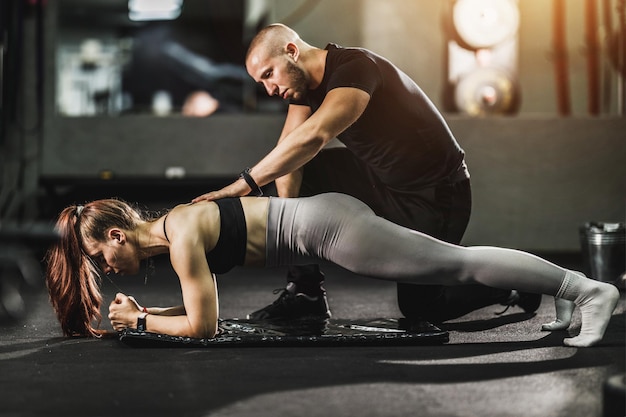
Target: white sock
point(596, 300)
point(564, 311)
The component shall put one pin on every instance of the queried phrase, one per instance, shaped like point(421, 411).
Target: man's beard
point(298, 79)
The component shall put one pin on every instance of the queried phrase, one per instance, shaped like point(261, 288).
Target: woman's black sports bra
point(230, 249)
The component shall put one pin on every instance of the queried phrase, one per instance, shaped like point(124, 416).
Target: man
point(400, 158)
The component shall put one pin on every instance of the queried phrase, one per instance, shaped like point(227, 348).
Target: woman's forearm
point(178, 325)
point(167, 311)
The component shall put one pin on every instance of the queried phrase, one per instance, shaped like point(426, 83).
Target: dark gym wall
point(536, 177)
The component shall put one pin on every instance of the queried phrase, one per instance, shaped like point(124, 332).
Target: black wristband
point(141, 322)
point(256, 190)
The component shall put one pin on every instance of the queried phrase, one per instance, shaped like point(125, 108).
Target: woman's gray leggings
point(343, 230)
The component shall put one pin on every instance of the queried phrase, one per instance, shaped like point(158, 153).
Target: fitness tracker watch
point(141, 322)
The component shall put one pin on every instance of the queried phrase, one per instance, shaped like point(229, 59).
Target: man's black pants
point(442, 211)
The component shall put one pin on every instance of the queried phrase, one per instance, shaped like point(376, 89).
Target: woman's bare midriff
point(255, 210)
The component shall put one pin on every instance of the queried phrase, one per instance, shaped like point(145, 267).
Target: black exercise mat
point(240, 333)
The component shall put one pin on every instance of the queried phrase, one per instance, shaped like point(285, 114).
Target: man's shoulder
point(347, 51)
point(353, 56)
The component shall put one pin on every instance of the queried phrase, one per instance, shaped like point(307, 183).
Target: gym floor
point(492, 366)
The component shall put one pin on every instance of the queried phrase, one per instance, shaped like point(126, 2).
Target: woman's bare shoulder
point(200, 207)
point(202, 217)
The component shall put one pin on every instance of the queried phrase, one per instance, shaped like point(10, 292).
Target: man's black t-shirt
point(401, 135)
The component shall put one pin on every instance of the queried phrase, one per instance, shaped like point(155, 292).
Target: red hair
point(73, 280)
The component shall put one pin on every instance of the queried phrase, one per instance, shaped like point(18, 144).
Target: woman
point(211, 237)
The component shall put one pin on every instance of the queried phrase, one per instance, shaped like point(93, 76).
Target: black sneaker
point(292, 305)
point(528, 302)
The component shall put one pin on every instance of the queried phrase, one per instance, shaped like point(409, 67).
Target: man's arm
point(340, 109)
point(289, 184)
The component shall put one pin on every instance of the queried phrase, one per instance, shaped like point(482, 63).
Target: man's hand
point(236, 189)
point(123, 312)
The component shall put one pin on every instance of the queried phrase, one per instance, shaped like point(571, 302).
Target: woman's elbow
point(210, 334)
point(203, 335)
point(203, 331)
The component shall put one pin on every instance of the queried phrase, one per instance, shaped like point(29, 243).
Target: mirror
point(119, 57)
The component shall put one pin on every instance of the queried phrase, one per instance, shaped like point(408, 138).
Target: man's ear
point(293, 51)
